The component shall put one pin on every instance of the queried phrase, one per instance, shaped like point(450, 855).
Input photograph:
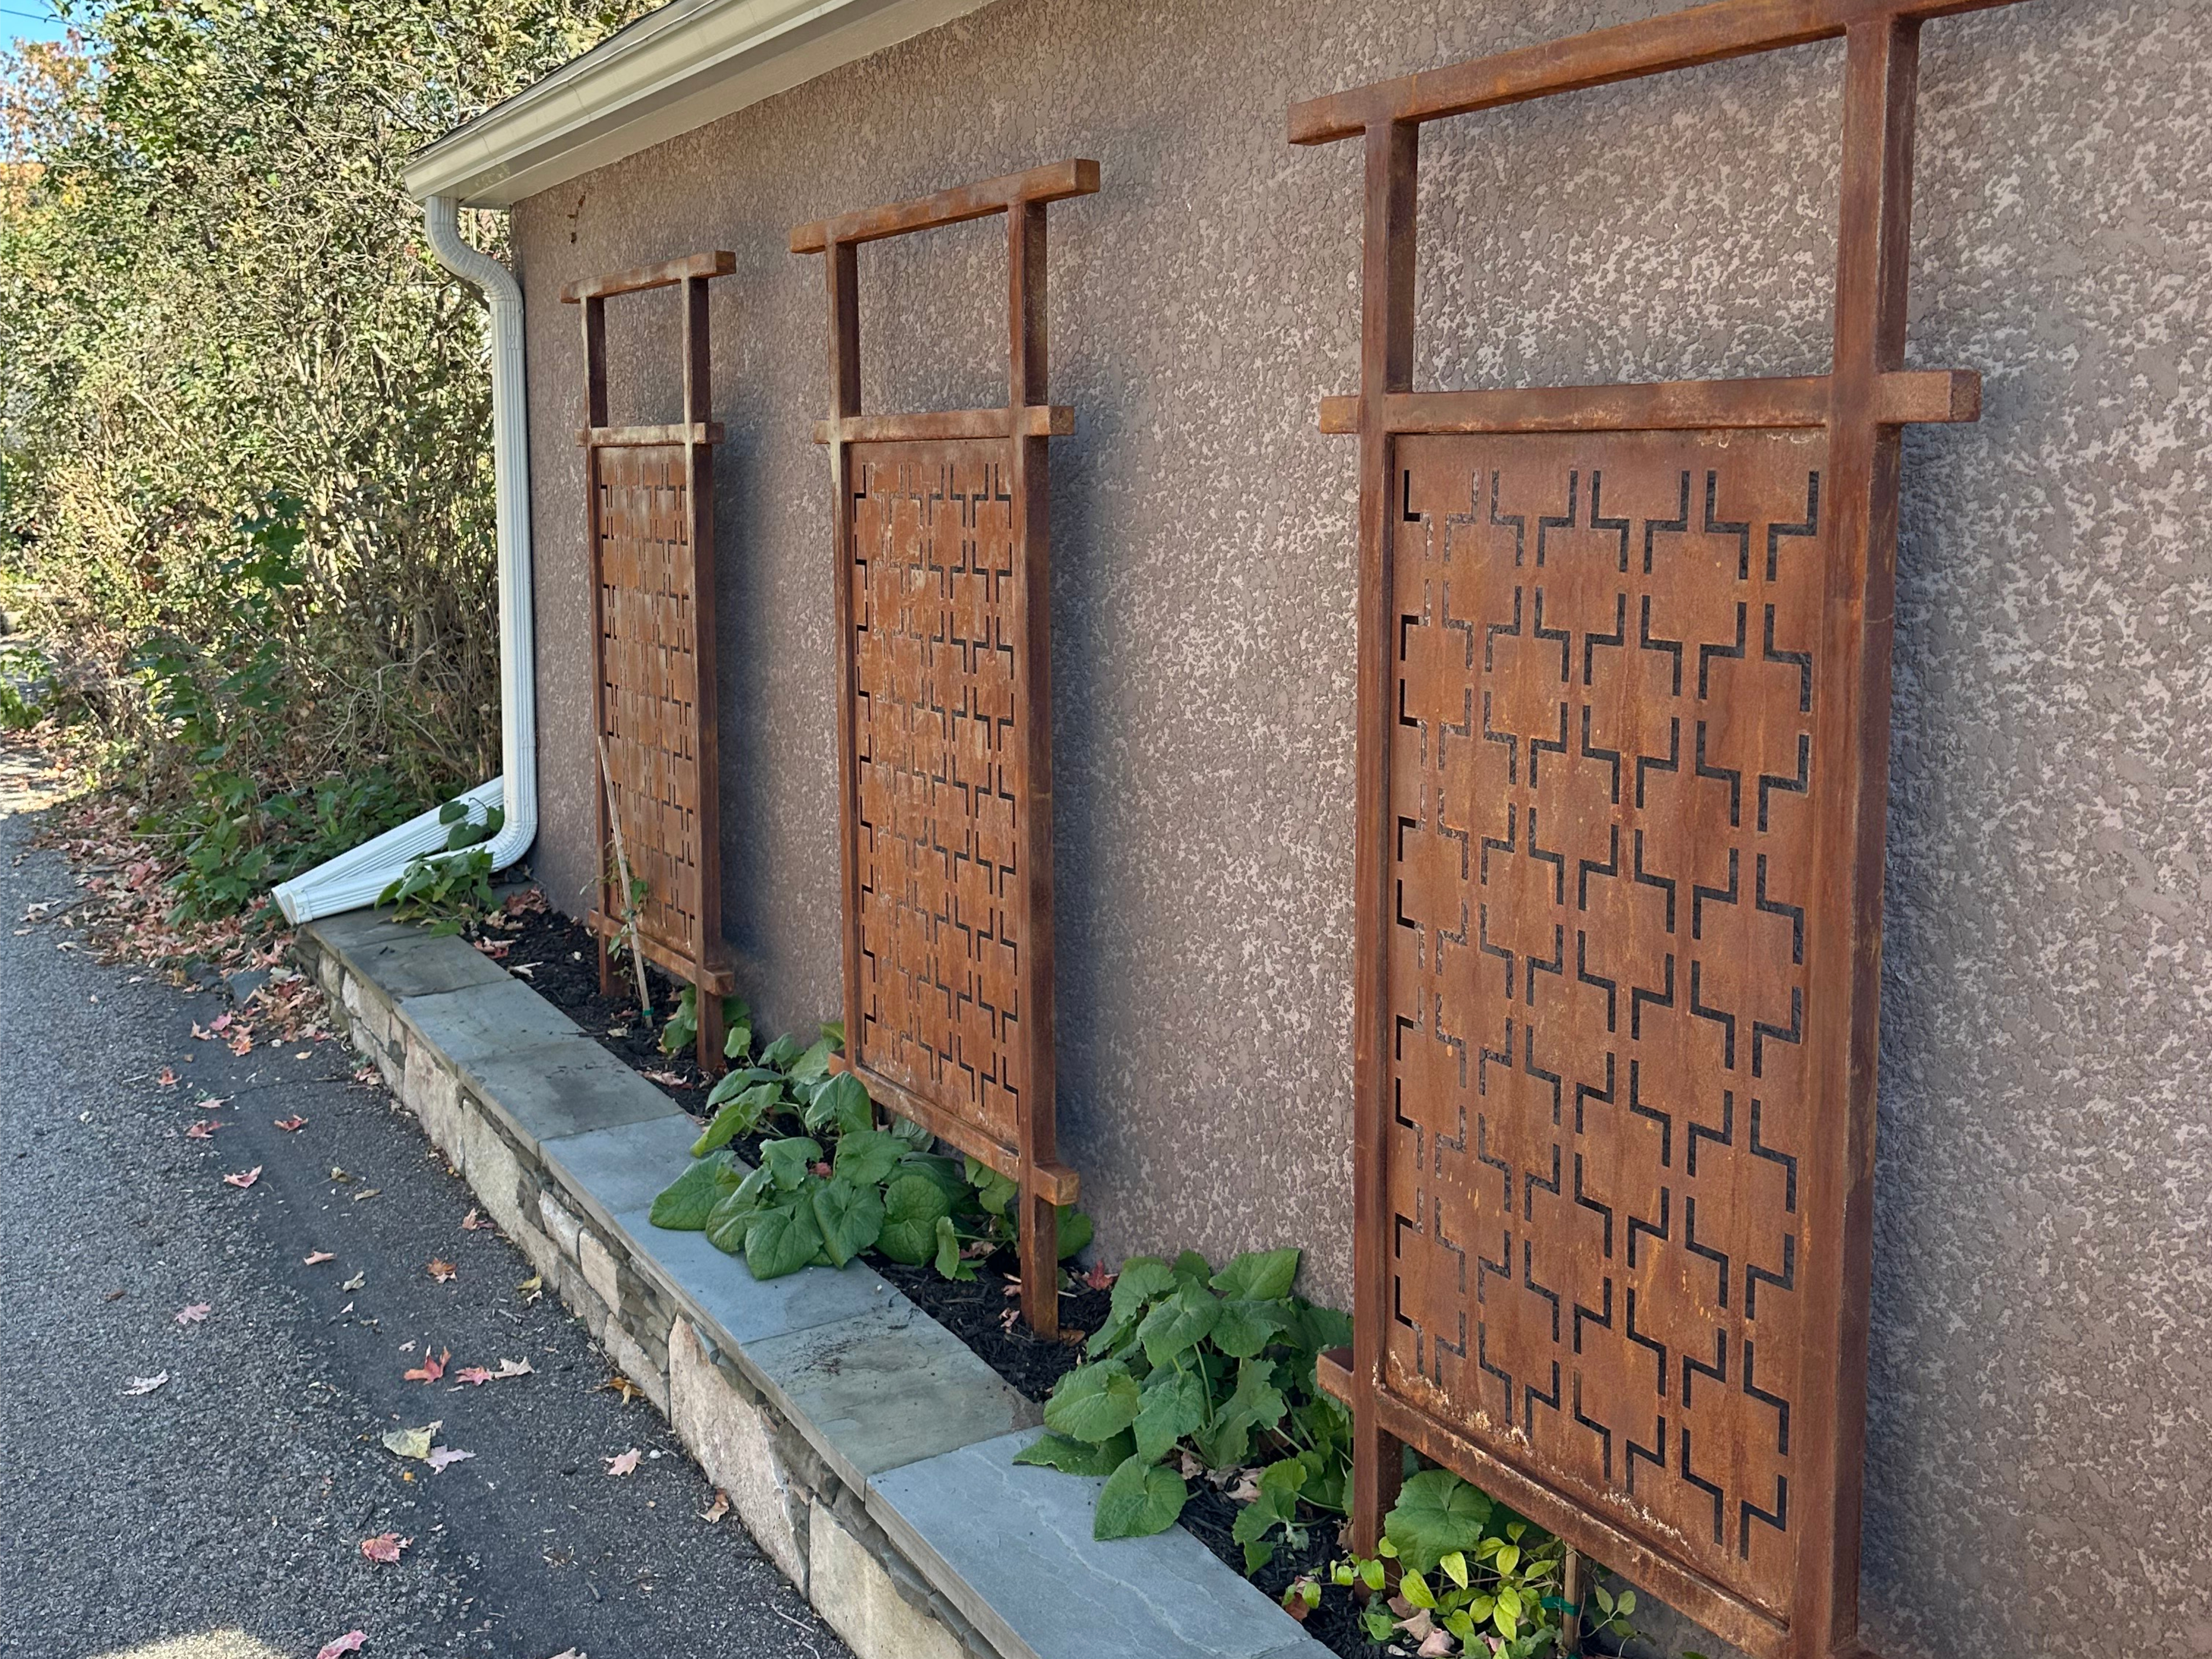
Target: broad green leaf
point(1181, 1322)
point(737, 1044)
point(913, 1205)
point(1143, 1279)
point(1437, 1513)
point(1137, 1500)
point(1258, 1276)
point(1317, 1330)
point(727, 1222)
point(683, 1206)
point(993, 1191)
point(814, 1063)
point(1192, 1269)
point(1094, 1403)
point(1245, 1328)
point(1075, 1229)
point(850, 1216)
point(779, 1055)
point(1257, 1403)
point(911, 1135)
point(788, 1160)
point(1069, 1456)
point(1624, 1603)
point(1455, 1567)
point(1415, 1588)
point(834, 1031)
point(782, 1240)
point(867, 1157)
point(843, 1101)
point(1173, 1406)
point(950, 1264)
point(740, 1117)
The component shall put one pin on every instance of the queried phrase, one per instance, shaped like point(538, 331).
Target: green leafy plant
point(682, 1030)
point(1456, 1571)
point(451, 889)
point(841, 1186)
point(1217, 1366)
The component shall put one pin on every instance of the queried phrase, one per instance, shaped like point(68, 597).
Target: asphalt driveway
point(220, 1513)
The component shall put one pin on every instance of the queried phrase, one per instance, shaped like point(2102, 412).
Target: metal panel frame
point(1863, 404)
point(703, 959)
point(1020, 433)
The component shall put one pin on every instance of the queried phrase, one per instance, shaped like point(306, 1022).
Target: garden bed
point(558, 957)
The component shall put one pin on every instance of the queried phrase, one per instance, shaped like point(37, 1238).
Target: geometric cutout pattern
point(1600, 855)
point(649, 659)
point(941, 726)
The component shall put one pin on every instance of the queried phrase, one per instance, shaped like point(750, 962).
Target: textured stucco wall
point(2041, 1444)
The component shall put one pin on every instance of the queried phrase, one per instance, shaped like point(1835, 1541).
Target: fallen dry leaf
point(291, 1125)
point(385, 1548)
point(621, 1385)
point(411, 1442)
point(148, 1384)
point(513, 1368)
point(442, 1271)
point(443, 1457)
point(624, 1463)
point(349, 1643)
point(714, 1511)
point(168, 1078)
point(220, 1023)
point(531, 1288)
point(194, 1313)
point(200, 1032)
point(669, 1079)
point(320, 1256)
point(367, 1192)
point(430, 1369)
point(474, 1222)
point(242, 1044)
point(356, 1281)
point(245, 1179)
point(475, 1376)
point(202, 1130)
point(1098, 1278)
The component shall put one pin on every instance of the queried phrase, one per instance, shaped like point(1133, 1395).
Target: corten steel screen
point(1623, 723)
point(940, 721)
point(649, 689)
point(944, 748)
point(649, 529)
point(1602, 800)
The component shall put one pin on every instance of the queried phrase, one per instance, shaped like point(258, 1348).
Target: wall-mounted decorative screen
point(650, 516)
point(1624, 697)
point(944, 620)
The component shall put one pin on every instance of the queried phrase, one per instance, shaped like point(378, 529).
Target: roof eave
point(692, 62)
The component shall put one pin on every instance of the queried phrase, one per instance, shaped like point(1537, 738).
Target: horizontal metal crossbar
point(1053, 183)
point(1032, 421)
point(638, 278)
point(1903, 397)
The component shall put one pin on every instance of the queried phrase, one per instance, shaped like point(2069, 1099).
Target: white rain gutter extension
point(354, 879)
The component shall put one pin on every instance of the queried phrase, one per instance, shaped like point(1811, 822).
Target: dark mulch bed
point(559, 958)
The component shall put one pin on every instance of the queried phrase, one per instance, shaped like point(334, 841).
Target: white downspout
point(354, 879)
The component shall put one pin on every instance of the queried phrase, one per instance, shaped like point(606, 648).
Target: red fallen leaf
point(291, 1125)
point(168, 1078)
point(202, 1130)
point(245, 1179)
point(1098, 1278)
point(473, 1222)
point(242, 1044)
point(443, 1272)
point(385, 1548)
point(349, 1643)
point(320, 1256)
point(493, 948)
point(220, 1023)
point(625, 1464)
point(669, 1079)
point(202, 1033)
point(475, 1376)
point(430, 1369)
point(193, 1314)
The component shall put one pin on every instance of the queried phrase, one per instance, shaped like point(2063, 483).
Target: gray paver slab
point(617, 1170)
point(735, 1309)
point(414, 963)
point(1012, 1547)
point(890, 1388)
point(481, 1022)
point(557, 1087)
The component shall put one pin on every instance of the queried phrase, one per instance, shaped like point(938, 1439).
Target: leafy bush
point(1220, 1366)
point(1456, 1571)
point(843, 1185)
point(217, 312)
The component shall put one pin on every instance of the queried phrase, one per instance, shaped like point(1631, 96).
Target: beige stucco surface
point(2040, 1447)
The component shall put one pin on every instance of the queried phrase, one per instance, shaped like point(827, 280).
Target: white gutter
point(354, 879)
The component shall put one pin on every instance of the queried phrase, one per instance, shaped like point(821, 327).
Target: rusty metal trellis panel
point(944, 736)
point(1624, 700)
point(650, 514)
